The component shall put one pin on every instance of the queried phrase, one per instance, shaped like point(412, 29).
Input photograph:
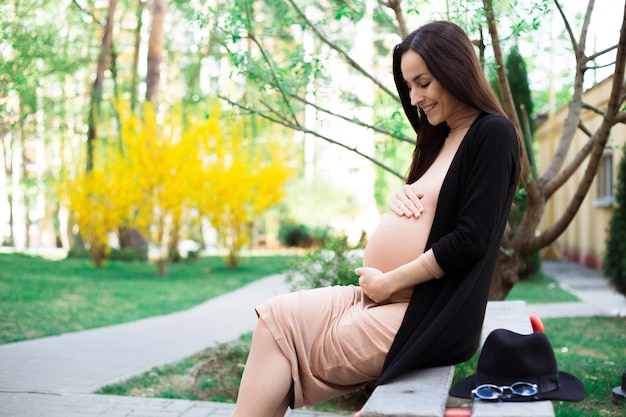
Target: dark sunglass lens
point(488, 392)
point(524, 389)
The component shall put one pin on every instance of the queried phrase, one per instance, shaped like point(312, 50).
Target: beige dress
point(336, 338)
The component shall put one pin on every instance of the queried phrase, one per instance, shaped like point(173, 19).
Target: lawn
point(540, 288)
point(40, 297)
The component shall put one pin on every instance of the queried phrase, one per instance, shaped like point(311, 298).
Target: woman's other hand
point(406, 202)
point(374, 284)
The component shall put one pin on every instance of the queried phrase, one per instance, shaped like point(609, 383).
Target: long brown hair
point(452, 61)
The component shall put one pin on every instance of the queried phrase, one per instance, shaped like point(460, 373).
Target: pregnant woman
point(426, 269)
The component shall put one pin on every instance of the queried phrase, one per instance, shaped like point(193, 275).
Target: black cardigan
point(444, 318)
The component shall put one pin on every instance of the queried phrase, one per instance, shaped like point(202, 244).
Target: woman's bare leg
point(266, 379)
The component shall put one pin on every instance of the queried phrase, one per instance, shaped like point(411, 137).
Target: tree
point(524, 239)
point(32, 58)
point(166, 175)
point(159, 160)
point(248, 163)
point(93, 198)
point(290, 100)
point(128, 236)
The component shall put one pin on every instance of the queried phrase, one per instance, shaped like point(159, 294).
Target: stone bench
point(424, 393)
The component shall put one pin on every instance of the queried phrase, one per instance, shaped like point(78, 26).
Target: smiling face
point(427, 93)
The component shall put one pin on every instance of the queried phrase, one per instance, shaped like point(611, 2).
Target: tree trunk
point(506, 275)
point(135, 74)
point(155, 50)
point(7, 155)
point(96, 91)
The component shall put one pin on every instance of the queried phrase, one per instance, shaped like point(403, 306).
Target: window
point(604, 182)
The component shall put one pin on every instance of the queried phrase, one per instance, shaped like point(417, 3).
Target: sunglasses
point(495, 392)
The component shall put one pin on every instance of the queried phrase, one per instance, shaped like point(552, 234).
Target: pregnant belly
point(396, 241)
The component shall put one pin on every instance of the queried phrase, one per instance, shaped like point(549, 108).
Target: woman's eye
point(425, 85)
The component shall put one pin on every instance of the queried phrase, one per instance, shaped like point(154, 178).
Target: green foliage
point(349, 10)
point(296, 235)
point(614, 263)
point(533, 265)
point(331, 264)
point(520, 89)
point(139, 254)
point(78, 252)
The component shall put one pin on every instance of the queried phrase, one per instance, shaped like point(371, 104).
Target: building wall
point(584, 239)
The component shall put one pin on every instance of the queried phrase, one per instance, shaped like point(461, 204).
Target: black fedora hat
point(508, 358)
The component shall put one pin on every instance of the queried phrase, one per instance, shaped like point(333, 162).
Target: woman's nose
point(415, 97)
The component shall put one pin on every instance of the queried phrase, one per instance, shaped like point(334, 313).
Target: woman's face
point(426, 92)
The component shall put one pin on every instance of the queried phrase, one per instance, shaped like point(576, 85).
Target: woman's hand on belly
point(406, 202)
point(375, 284)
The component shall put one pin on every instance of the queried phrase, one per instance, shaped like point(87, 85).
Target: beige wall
point(584, 239)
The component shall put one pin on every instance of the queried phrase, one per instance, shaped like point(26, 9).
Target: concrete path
point(54, 376)
point(597, 297)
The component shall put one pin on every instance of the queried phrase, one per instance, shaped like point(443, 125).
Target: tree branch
point(396, 6)
point(562, 177)
point(573, 116)
point(343, 53)
point(274, 77)
point(598, 54)
point(267, 60)
point(303, 129)
point(355, 121)
point(593, 108)
point(595, 67)
point(87, 12)
point(568, 28)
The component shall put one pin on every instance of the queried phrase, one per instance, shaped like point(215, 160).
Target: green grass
point(40, 297)
point(540, 288)
point(592, 349)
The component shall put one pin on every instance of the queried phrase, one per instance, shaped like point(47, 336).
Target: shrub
point(614, 264)
point(133, 254)
point(333, 263)
point(291, 234)
point(294, 235)
point(78, 252)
